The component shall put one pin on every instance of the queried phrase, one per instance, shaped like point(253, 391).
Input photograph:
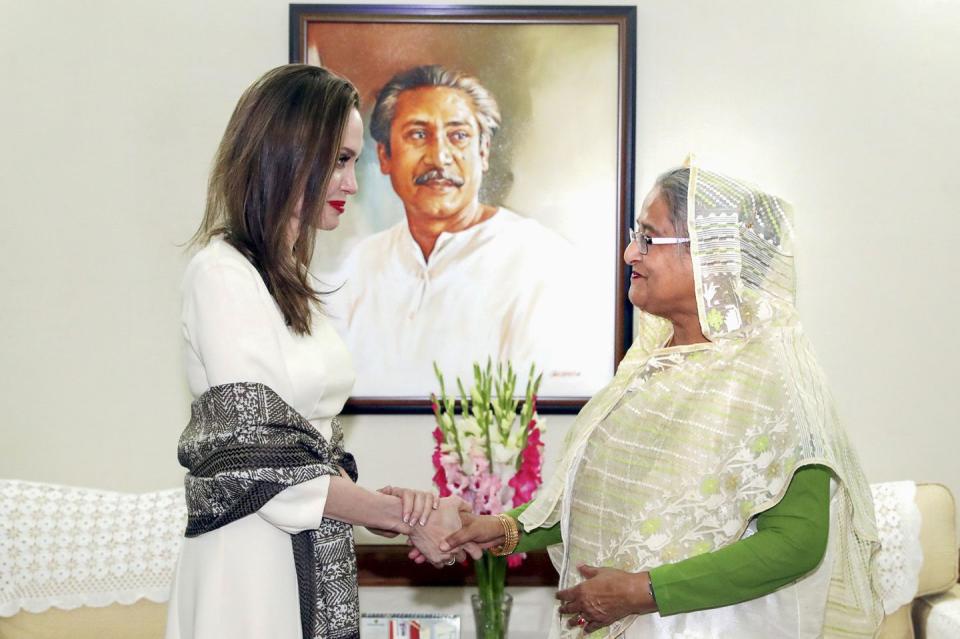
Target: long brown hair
point(276, 158)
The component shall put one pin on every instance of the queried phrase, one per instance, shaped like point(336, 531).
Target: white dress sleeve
point(233, 328)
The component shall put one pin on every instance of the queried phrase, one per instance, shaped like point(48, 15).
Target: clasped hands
point(444, 531)
point(427, 521)
point(605, 595)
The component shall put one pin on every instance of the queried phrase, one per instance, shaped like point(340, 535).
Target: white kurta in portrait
point(507, 288)
point(239, 581)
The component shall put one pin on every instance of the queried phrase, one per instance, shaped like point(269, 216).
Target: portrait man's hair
point(433, 75)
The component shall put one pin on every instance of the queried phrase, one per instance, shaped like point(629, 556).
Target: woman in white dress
point(253, 321)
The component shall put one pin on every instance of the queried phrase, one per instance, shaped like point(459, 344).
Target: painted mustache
point(438, 174)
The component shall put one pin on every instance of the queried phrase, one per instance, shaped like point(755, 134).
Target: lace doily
point(943, 622)
point(67, 547)
point(898, 525)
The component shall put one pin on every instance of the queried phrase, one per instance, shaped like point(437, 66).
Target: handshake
point(441, 530)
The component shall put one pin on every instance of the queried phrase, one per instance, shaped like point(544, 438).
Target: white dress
point(239, 581)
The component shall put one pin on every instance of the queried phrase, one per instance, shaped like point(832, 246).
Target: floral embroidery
point(715, 319)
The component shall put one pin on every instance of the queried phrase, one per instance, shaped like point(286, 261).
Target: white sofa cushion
point(66, 547)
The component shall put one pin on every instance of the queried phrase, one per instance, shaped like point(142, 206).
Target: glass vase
point(491, 614)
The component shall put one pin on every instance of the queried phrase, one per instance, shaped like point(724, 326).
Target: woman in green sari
point(708, 490)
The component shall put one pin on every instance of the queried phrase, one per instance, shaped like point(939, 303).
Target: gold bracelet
point(511, 536)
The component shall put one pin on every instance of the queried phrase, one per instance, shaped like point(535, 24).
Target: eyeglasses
point(644, 241)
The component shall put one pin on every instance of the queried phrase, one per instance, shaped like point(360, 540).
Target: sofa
point(136, 563)
point(937, 581)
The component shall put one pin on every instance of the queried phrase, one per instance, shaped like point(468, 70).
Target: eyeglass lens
point(641, 239)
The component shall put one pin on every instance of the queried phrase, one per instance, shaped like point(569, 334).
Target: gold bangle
point(511, 536)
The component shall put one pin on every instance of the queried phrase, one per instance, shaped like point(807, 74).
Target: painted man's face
point(437, 158)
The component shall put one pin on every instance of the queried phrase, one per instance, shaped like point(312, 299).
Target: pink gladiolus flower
point(516, 559)
point(440, 476)
point(527, 479)
point(531, 454)
point(486, 488)
point(455, 477)
point(524, 485)
point(479, 459)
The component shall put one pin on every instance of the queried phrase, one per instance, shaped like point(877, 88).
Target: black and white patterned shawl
point(244, 445)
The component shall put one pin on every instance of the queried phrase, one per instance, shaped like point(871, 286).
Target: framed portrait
point(494, 195)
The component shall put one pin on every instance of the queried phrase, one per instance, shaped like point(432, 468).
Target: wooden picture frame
point(562, 159)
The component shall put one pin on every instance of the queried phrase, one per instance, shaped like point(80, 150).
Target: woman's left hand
point(607, 595)
point(417, 504)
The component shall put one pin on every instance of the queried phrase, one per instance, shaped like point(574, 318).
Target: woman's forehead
point(655, 214)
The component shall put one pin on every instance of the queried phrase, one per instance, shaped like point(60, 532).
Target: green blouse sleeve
point(790, 541)
point(539, 537)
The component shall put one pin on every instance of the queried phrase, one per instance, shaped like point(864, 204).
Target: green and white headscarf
point(687, 444)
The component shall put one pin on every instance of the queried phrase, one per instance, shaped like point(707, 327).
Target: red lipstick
point(339, 205)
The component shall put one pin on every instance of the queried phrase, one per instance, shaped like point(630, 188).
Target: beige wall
point(110, 112)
